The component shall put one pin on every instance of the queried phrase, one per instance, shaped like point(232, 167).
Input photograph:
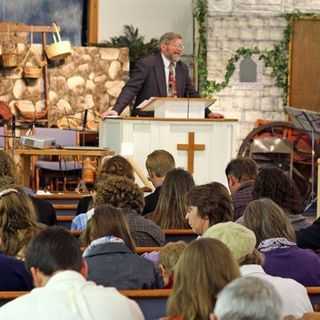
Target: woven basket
point(9, 60)
point(32, 72)
point(59, 49)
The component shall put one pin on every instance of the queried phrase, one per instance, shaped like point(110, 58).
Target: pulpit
point(202, 146)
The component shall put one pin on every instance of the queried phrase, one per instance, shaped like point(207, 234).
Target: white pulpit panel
point(139, 137)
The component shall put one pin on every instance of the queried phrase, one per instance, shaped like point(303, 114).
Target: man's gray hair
point(248, 298)
point(169, 36)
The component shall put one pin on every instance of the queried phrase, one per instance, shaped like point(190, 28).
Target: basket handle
point(56, 36)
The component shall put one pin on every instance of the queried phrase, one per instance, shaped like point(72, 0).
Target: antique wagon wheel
point(302, 157)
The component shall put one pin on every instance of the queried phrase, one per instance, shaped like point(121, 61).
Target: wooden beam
point(93, 11)
point(18, 27)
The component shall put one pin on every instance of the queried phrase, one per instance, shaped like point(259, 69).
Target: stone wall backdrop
point(233, 24)
point(91, 78)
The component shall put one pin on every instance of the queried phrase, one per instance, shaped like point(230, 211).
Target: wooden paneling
point(93, 7)
point(304, 78)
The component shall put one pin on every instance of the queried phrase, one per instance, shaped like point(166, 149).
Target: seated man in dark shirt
point(158, 164)
point(241, 174)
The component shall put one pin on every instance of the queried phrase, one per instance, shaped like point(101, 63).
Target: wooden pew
point(173, 235)
point(311, 316)
point(314, 295)
point(152, 301)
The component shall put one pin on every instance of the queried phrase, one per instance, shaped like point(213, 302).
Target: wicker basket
point(58, 49)
point(32, 72)
point(9, 60)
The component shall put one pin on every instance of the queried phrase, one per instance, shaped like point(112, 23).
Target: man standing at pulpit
point(158, 75)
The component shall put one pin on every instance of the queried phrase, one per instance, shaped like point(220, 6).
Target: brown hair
point(160, 162)
point(275, 184)
point(7, 166)
point(18, 223)
point(203, 269)
point(118, 166)
point(108, 221)
point(243, 169)
point(171, 207)
point(169, 36)
point(267, 220)
point(213, 202)
point(119, 192)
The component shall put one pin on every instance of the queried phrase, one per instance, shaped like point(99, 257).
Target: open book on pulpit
point(181, 108)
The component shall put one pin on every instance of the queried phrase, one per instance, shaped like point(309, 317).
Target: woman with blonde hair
point(110, 255)
point(205, 267)
point(277, 242)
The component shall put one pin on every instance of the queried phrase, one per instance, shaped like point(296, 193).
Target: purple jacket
point(302, 265)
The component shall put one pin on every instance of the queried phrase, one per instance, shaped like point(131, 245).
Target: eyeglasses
point(177, 46)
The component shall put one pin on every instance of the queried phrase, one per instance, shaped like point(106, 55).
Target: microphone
point(84, 121)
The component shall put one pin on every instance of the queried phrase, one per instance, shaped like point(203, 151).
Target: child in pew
point(110, 254)
point(168, 258)
point(165, 259)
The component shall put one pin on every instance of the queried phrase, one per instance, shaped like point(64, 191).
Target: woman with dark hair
point(204, 268)
point(123, 193)
point(117, 166)
point(110, 254)
point(208, 204)
point(273, 183)
point(171, 208)
point(276, 241)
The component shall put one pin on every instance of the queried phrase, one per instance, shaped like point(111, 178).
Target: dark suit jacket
point(148, 80)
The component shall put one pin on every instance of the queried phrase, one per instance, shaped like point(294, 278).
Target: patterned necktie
point(172, 86)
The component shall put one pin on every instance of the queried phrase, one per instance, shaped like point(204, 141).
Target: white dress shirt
point(295, 300)
point(68, 296)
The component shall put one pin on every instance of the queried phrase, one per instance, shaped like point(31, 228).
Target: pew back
point(152, 302)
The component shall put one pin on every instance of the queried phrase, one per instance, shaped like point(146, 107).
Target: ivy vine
point(275, 58)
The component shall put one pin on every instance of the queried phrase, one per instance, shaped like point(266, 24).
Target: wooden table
point(26, 155)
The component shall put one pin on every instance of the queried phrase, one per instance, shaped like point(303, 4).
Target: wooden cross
point(191, 147)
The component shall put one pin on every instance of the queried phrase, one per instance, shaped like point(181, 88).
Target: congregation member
point(18, 221)
point(208, 204)
point(116, 165)
point(248, 298)
point(111, 256)
point(275, 184)
point(171, 209)
point(204, 268)
point(276, 241)
point(309, 238)
point(123, 193)
point(242, 243)
point(59, 274)
point(241, 174)
point(168, 258)
point(158, 164)
point(45, 211)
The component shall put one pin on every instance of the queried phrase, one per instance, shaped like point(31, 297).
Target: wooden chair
point(60, 170)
